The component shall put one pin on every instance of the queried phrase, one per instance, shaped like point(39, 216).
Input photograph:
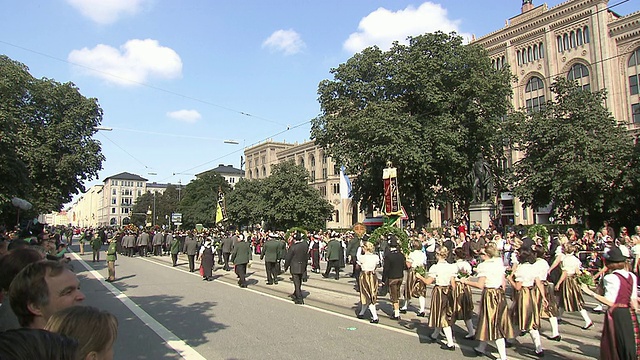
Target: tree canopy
point(429, 107)
point(200, 200)
point(574, 154)
point(46, 147)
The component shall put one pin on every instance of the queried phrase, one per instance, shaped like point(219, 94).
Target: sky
point(176, 79)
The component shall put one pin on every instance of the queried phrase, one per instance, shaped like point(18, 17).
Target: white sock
point(405, 305)
point(396, 313)
point(585, 316)
point(482, 347)
point(436, 333)
point(470, 330)
point(535, 337)
point(423, 303)
point(554, 326)
point(363, 309)
point(598, 308)
point(448, 333)
point(502, 348)
point(374, 313)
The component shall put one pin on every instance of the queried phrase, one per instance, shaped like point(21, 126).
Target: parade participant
point(270, 253)
point(620, 335)
point(129, 242)
point(205, 255)
point(415, 260)
point(281, 254)
point(240, 257)
point(555, 251)
point(191, 249)
point(174, 249)
point(227, 247)
point(95, 330)
point(157, 241)
point(548, 310)
point(570, 294)
point(314, 253)
point(333, 254)
point(296, 259)
point(462, 297)
point(112, 256)
point(493, 318)
point(41, 289)
point(393, 272)
point(352, 253)
point(525, 312)
point(96, 244)
point(368, 282)
point(142, 243)
point(440, 313)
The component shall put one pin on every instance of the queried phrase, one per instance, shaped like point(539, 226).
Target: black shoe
point(275, 282)
point(269, 283)
point(556, 338)
point(588, 326)
point(421, 314)
point(540, 354)
point(325, 276)
point(209, 279)
point(403, 311)
point(523, 332)
point(299, 302)
point(337, 278)
point(360, 316)
point(447, 347)
point(508, 344)
point(470, 337)
point(478, 352)
point(374, 321)
point(395, 318)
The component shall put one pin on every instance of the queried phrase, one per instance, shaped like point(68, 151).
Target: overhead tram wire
point(125, 151)
point(142, 83)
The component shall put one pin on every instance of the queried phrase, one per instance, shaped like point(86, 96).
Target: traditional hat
point(298, 237)
point(614, 255)
point(274, 235)
point(392, 239)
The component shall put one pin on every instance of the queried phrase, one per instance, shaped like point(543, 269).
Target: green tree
point(200, 198)
point(246, 204)
point(574, 153)
point(290, 201)
point(429, 107)
point(47, 130)
point(143, 204)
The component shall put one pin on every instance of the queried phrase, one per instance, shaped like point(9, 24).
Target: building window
point(565, 41)
point(336, 188)
point(114, 192)
point(541, 51)
point(535, 52)
point(580, 74)
point(518, 57)
point(635, 113)
point(264, 171)
point(324, 173)
point(113, 201)
point(634, 70)
point(585, 34)
point(534, 94)
point(113, 210)
point(579, 37)
point(313, 176)
point(559, 41)
point(337, 215)
point(312, 160)
point(139, 192)
point(302, 162)
point(336, 170)
point(572, 39)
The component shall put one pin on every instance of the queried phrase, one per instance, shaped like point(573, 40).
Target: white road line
point(177, 344)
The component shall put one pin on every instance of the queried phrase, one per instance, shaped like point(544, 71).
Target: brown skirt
point(394, 290)
point(413, 287)
point(525, 312)
point(571, 295)
point(551, 310)
point(493, 318)
point(462, 302)
point(368, 284)
point(441, 311)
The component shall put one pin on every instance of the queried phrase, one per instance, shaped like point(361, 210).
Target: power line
point(125, 151)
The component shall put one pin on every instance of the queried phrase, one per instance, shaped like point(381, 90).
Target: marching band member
point(570, 294)
point(368, 282)
point(493, 318)
point(416, 259)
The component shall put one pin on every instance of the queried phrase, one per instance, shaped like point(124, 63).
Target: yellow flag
point(219, 216)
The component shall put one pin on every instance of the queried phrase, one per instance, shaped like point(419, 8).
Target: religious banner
point(392, 205)
point(221, 209)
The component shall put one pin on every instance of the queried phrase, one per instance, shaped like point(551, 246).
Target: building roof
point(157, 185)
point(126, 176)
point(223, 169)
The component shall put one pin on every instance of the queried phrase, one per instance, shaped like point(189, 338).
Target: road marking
point(177, 344)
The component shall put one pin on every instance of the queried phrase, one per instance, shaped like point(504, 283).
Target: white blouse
point(493, 272)
point(368, 262)
point(570, 264)
point(526, 274)
point(442, 272)
point(417, 258)
point(541, 268)
point(463, 266)
point(612, 285)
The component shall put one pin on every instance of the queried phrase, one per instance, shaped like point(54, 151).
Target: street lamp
point(233, 142)
point(102, 128)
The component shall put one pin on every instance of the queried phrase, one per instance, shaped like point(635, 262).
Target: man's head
point(41, 289)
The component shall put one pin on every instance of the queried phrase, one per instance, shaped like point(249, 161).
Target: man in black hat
point(296, 259)
point(393, 272)
point(271, 255)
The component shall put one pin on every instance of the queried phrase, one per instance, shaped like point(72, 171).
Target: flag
point(221, 211)
point(219, 216)
point(345, 184)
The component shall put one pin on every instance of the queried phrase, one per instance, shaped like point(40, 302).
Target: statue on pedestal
point(482, 185)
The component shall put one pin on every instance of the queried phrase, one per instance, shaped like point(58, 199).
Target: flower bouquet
point(422, 271)
point(463, 274)
point(585, 277)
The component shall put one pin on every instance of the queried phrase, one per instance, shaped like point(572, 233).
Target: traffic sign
point(176, 217)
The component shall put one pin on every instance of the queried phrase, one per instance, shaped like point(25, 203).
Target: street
point(169, 313)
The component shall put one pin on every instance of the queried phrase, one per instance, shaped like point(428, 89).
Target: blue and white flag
point(345, 184)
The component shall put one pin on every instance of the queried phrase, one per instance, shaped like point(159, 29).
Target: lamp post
point(154, 208)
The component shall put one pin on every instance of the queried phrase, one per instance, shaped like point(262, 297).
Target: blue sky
point(177, 78)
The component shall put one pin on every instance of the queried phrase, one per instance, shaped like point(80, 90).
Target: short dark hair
point(13, 262)
point(26, 343)
point(30, 287)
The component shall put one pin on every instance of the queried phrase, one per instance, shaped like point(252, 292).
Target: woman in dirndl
point(620, 336)
point(525, 312)
point(571, 299)
point(493, 318)
point(443, 275)
point(412, 286)
point(368, 282)
point(550, 310)
point(462, 297)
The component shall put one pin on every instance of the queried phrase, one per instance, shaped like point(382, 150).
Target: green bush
point(381, 232)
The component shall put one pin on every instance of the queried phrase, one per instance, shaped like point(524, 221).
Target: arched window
point(541, 50)
point(634, 72)
point(529, 54)
point(337, 215)
point(534, 94)
point(585, 33)
point(559, 41)
point(302, 161)
point(312, 161)
point(518, 57)
point(565, 41)
point(264, 171)
point(502, 59)
point(493, 64)
point(250, 174)
point(579, 37)
point(580, 73)
point(535, 52)
point(572, 39)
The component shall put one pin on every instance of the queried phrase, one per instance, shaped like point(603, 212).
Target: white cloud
point(287, 41)
point(382, 27)
point(188, 116)
point(134, 63)
point(107, 11)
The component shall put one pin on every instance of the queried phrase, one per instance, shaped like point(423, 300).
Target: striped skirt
point(441, 311)
point(368, 284)
point(462, 302)
point(525, 311)
point(571, 295)
point(493, 318)
point(551, 310)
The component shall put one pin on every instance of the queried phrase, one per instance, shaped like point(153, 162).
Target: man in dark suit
point(240, 257)
point(271, 255)
point(191, 249)
point(393, 272)
point(296, 259)
point(227, 245)
point(334, 252)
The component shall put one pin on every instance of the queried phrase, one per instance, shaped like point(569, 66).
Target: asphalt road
point(169, 313)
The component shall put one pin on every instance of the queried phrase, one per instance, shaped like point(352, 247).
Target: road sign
point(176, 217)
